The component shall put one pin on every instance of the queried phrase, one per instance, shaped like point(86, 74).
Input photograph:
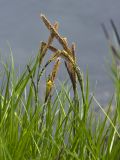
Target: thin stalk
point(35, 89)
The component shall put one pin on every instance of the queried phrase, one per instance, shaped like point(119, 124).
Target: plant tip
point(42, 15)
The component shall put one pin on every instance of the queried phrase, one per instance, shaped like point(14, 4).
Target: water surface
point(79, 21)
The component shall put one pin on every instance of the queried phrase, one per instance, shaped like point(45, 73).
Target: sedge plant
point(57, 126)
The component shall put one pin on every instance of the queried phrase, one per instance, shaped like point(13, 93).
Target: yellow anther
point(49, 83)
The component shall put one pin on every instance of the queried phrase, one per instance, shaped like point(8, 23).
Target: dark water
point(79, 21)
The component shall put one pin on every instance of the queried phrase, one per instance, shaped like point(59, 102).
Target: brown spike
point(56, 34)
point(46, 46)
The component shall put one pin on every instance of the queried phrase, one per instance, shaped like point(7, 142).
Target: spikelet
point(61, 40)
point(51, 79)
point(71, 70)
point(44, 47)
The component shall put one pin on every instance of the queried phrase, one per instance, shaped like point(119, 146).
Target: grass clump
point(57, 126)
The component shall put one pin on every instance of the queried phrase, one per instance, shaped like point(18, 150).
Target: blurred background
point(80, 21)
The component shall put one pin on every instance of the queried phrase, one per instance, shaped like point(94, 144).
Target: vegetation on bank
point(57, 126)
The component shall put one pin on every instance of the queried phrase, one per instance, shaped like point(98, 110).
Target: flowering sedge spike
point(44, 49)
point(71, 70)
point(51, 79)
point(61, 40)
point(73, 50)
point(49, 85)
point(55, 69)
point(74, 57)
